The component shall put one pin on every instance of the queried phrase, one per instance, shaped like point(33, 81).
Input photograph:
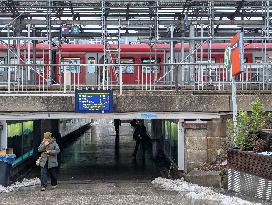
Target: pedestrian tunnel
point(105, 152)
point(91, 149)
point(104, 148)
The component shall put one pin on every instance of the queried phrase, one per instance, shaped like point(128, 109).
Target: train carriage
point(68, 57)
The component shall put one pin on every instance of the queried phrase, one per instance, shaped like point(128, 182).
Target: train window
point(169, 60)
point(148, 68)
point(13, 61)
point(70, 64)
point(127, 68)
point(91, 68)
point(2, 61)
point(39, 65)
point(258, 59)
point(206, 60)
point(269, 59)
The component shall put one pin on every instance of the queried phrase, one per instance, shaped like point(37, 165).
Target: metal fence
point(65, 78)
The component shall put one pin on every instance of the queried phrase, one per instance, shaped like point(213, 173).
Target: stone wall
point(203, 142)
point(216, 138)
point(195, 145)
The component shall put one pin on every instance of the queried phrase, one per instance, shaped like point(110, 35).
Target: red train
point(71, 54)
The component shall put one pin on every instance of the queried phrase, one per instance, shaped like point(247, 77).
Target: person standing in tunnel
point(49, 150)
point(117, 123)
point(140, 136)
point(133, 124)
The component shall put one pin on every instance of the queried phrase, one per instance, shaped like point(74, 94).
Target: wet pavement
point(120, 192)
point(94, 156)
point(93, 171)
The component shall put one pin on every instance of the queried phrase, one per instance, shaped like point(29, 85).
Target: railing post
point(28, 52)
point(121, 78)
point(8, 60)
point(64, 78)
point(234, 103)
point(171, 53)
point(18, 66)
point(191, 73)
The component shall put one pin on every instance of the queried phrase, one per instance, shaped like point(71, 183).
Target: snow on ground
point(266, 153)
point(197, 192)
point(17, 185)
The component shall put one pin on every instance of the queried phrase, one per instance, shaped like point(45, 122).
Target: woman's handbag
point(38, 161)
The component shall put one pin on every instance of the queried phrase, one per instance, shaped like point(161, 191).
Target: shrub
point(247, 126)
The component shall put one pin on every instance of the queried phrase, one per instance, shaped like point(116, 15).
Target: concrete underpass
point(90, 150)
point(94, 155)
point(93, 169)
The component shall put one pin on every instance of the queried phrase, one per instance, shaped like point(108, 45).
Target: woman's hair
point(47, 135)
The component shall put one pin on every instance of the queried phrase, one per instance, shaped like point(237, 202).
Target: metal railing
point(60, 78)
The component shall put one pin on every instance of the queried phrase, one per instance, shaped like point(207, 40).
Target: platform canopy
point(150, 19)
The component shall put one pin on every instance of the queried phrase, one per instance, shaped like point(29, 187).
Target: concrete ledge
point(37, 103)
point(171, 103)
point(136, 101)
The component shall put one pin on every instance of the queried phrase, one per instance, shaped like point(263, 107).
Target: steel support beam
point(135, 22)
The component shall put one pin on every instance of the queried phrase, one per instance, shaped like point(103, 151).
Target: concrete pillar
point(195, 145)
point(216, 138)
point(3, 135)
point(181, 151)
point(172, 54)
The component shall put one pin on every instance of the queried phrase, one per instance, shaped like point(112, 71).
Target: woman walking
point(49, 150)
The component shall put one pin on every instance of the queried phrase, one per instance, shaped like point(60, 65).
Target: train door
point(39, 71)
point(99, 73)
point(128, 71)
point(256, 69)
point(3, 71)
point(149, 71)
point(13, 69)
point(71, 69)
point(91, 70)
point(169, 73)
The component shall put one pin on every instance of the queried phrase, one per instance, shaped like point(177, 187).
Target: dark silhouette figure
point(140, 136)
point(117, 123)
point(133, 124)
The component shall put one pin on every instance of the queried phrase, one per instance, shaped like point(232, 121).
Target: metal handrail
point(206, 76)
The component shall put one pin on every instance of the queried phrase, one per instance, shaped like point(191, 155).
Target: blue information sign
point(98, 101)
